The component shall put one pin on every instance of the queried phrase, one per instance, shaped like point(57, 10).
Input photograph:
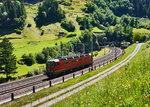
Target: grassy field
point(31, 41)
point(128, 86)
point(76, 6)
point(101, 53)
point(141, 31)
point(30, 98)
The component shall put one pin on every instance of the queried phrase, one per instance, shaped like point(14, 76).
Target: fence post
point(99, 65)
point(63, 79)
point(73, 75)
point(50, 83)
point(12, 96)
point(82, 72)
point(89, 69)
point(33, 89)
point(95, 67)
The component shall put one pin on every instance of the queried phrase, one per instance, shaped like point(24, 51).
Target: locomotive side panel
point(69, 65)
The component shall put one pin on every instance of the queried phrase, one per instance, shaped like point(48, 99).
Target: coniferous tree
point(49, 12)
point(8, 59)
point(12, 14)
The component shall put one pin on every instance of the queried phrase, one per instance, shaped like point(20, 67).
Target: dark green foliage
point(12, 14)
point(140, 37)
point(85, 38)
point(90, 7)
point(46, 54)
point(68, 25)
point(28, 59)
point(42, 33)
point(119, 33)
point(49, 12)
point(40, 58)
point(29, 25)
point(138, 8)
point(7, 58)
point(84, 22)
point(29, 74)
point(18, 31)
point(71, 35)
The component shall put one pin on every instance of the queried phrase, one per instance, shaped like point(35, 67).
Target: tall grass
point(128, 86)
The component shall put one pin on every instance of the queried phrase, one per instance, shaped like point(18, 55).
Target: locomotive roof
point(67, 57)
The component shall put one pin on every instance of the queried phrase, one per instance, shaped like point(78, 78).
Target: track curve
point(26, 85)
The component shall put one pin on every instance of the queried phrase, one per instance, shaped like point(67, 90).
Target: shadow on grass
point(3, 79)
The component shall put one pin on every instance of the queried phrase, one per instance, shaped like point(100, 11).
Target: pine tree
point(8, 59)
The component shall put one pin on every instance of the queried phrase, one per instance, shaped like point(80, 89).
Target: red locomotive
point(67, 64)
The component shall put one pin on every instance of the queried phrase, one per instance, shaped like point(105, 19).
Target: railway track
point(25, 86)
point(64, 93)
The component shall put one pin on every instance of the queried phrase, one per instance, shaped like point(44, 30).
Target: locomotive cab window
point(80, 59)
point(47, 64)
point(73, 61)
point(57, 64)
point(52, 65)
point(65, 63)
point(86, 58)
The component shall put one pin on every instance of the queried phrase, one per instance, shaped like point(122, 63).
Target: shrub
point(28, 59)
point(29, 25)
point(29, 74)
point(40, 58)
point(95, 53)
point(36, 72)
point(68, 25)
point(42, 33)
point(18, 31)
point(71, 35)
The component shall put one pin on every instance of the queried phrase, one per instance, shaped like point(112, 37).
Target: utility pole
point(61, 46)
point(92, 47)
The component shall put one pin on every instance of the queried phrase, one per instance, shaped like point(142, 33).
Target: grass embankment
point(128, 86)
point(101, 53)
point(30, 98)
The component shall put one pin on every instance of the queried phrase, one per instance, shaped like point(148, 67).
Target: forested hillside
point(36, 27)
point(12, 14)
point(49, 12)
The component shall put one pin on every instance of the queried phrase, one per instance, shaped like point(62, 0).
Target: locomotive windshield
point(51, 64)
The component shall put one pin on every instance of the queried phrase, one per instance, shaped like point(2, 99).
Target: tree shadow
point(3, 80)
point(6, 31)
point(39, 24)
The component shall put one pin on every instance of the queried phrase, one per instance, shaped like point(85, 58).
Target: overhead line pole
point(61, 46)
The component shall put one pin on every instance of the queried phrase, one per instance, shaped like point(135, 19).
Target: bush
point(29, 25)
point(95, 53)
point(29, 74)
point(71, 35)
point(68, 25)
point(42, 33)
point(28, 59)
point(18, 31)
point(40, 58)
point(36, 72)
